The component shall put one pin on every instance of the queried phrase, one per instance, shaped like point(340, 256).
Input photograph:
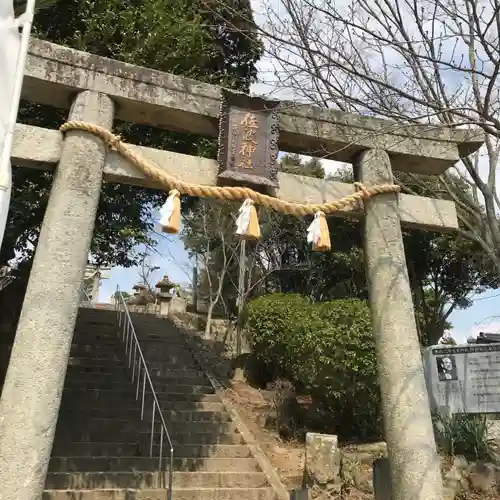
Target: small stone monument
point(322, 469)
point(463, 379)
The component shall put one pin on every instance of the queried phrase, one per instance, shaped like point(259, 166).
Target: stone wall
point(151, 308)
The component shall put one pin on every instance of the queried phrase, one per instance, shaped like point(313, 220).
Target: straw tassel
point(247, 224)
point(170, 213)
point(318, 234)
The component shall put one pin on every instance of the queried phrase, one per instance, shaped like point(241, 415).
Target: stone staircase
point(101, 448)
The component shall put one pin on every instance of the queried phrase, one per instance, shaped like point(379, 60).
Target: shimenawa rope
point(232, 193)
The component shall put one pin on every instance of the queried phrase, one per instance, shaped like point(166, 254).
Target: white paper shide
point(166, 211)
point(243, 220)
point(314, 230)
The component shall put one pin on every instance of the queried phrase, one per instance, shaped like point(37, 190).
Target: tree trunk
point(208, 324)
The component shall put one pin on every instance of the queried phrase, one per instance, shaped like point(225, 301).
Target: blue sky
point(484, 315)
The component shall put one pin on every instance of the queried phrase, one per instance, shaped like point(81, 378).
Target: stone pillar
point(31, 395)
point(413, 459)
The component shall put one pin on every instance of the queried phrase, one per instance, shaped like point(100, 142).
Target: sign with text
point(248, 139)
point(463, 379)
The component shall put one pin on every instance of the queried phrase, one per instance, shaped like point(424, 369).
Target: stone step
point(102, 480)
point(118, 369)
point(94, 324)
point(94, 362)
point(176, 341)
point(91, 363)
point(98, 372)
point(112, 344)
point(152, 361)
point(133, 414)
point(105, 332)
point(143, 438)
point(113, 384)
point(95, 313)
point(96, 426)
point(88, 321)
point(132, 449)
point(162, 494)
point(86, 326)
point(110, 381)
point(101, 321)
point(75, 405)
point(121, 369)
point(110, 335)
point(122, 464)
point(110, 332)
point(128, 394)
point(151, 355)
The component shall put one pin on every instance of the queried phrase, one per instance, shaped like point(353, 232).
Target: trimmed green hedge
point(327, 351)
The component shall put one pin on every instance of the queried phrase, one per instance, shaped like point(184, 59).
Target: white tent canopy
point(13, 50)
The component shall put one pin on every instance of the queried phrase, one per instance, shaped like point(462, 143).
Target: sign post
point(248, 141)
point(463, 379)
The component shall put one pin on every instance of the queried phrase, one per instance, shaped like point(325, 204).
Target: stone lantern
point(164, 295)
point(140, 295)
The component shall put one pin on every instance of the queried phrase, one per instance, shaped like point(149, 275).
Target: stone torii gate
point(98, 90)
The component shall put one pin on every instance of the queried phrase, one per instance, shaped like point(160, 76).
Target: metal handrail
point(137, 362)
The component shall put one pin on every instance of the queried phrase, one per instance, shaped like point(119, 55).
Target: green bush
point(271, 320)
point(327, 351)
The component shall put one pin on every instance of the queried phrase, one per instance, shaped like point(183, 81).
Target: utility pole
point(241, 296)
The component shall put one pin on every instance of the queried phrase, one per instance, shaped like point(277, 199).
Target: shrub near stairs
point(327, 351)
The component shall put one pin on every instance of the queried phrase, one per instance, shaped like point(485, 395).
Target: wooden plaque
point(248, 140)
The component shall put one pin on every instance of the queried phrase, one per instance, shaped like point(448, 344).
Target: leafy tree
point(209, 233)
point(293, 164)
point(178, 36)
point(444, 270)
